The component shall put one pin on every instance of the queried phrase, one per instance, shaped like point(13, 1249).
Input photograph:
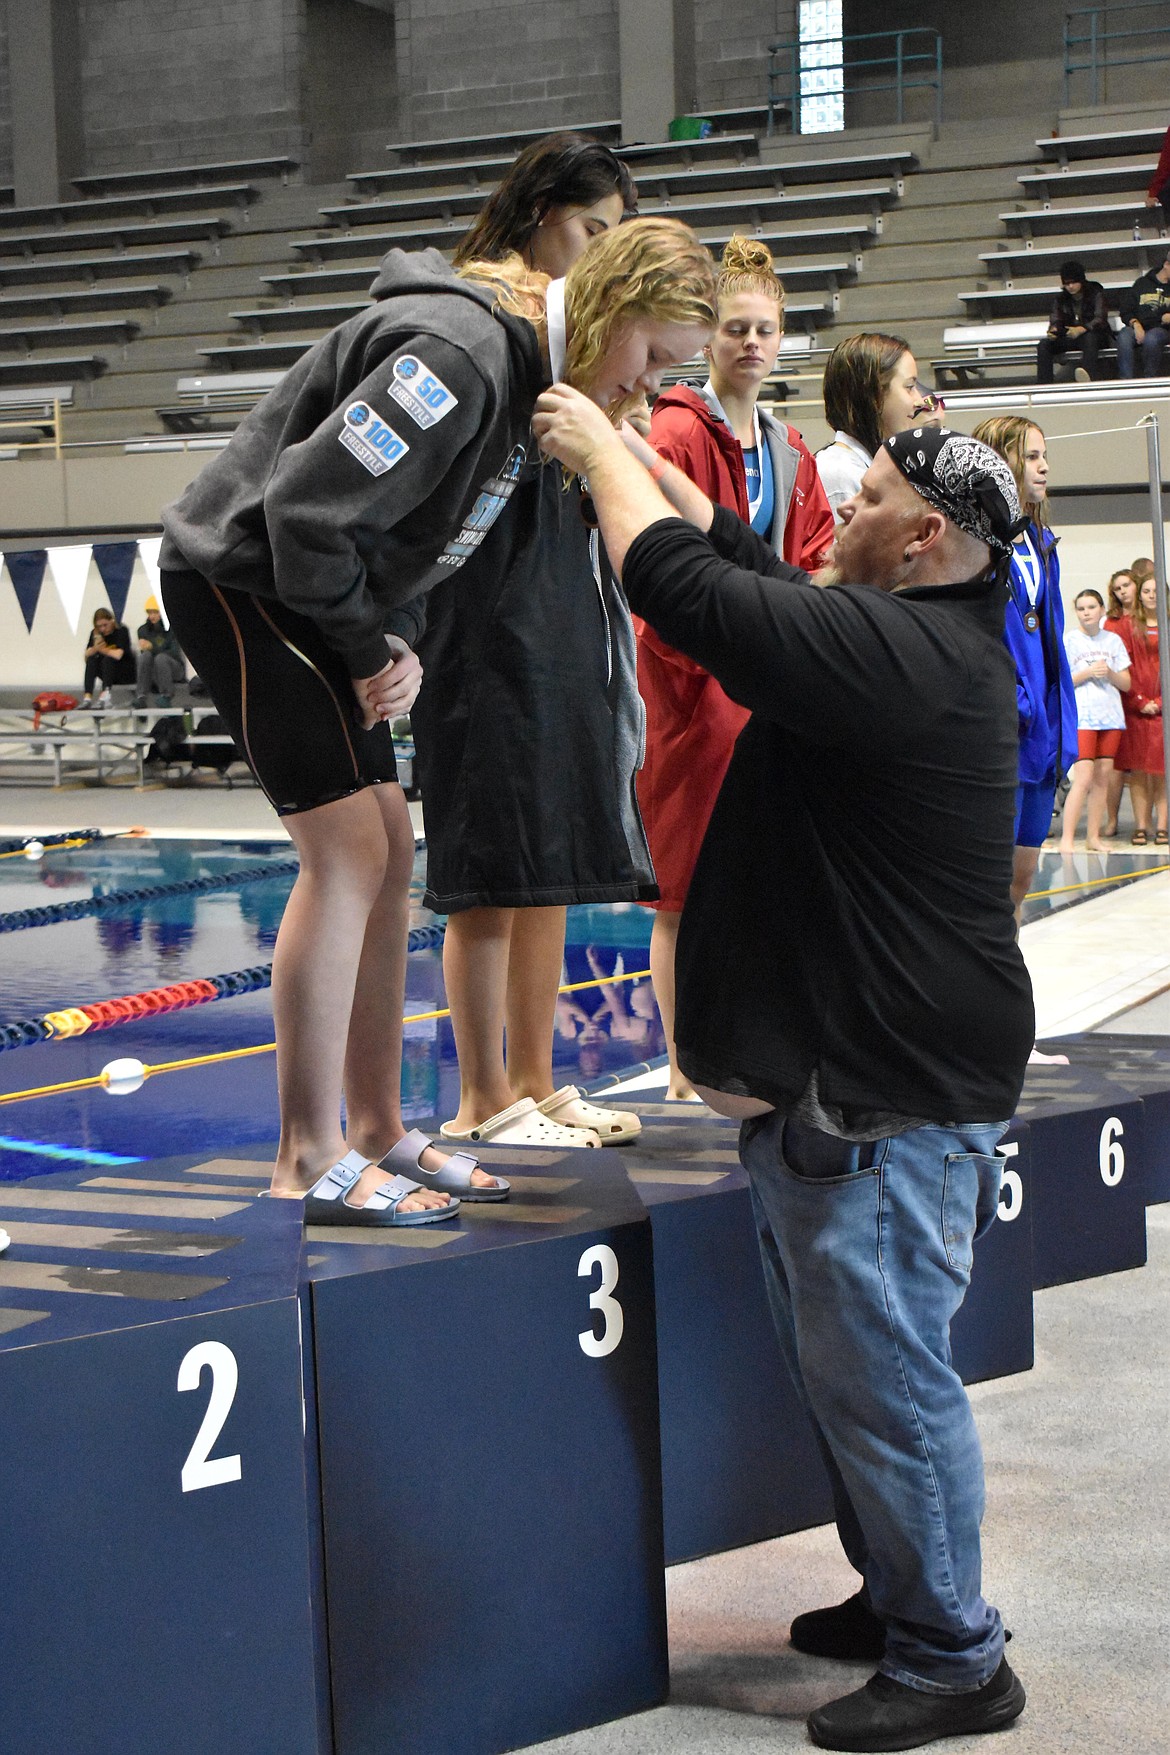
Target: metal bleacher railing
point(1099, 38)
point(896, 54)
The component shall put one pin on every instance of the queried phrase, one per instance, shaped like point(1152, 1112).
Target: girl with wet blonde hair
point(528, 726)
point(745, 459)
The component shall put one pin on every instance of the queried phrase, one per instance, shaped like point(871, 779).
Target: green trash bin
point(690, 128)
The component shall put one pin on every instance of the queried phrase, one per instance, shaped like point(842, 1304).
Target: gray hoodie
point(377, 464)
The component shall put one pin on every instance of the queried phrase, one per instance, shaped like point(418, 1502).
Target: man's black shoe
point(848, 1630)
point(887, 1715)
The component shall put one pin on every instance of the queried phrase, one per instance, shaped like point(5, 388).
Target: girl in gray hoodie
point(293, 572)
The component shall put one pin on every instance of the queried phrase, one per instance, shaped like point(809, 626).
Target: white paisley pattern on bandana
point(963, 478)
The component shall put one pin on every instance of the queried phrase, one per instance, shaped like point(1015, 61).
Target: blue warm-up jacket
point(1044, 687)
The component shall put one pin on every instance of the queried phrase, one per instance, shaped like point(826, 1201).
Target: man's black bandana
point(968, 482)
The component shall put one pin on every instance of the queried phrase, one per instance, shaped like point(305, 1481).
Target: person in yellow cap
point(161, 664)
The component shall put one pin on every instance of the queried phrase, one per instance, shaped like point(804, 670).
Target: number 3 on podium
point(597, 1346)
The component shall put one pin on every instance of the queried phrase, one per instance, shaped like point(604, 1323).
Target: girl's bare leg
point(475, 968)
point(663, 941)
point(373, 1056)
point(1098, 800)
point(1074, 804)
point(315, 970)
point(535, 958)
point(1024, 863)
point(1116, 787)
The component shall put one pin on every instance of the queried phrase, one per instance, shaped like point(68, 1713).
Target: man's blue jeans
point(1151, 351)
point(867, 1256)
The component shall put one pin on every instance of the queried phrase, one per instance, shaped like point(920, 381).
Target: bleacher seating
point(214, 402)
point(1029, 222)
point(509, 140)
point(1116, 240)
point(32, 367)
point(83, 271)
point(64, 213)
point(169, 176)
point(63, 302)
point(115, 236)
point(1025, 298)
point(1093, 180)
point(66, 332)
point(14, 272)
point(1138, 255)
point(1063, 149)
point(33, 409)
point(971, 350)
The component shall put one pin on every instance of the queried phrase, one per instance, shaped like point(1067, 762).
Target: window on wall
point(822, 72)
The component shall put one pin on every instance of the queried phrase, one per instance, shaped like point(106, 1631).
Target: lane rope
point(97, 1079)
point(85, 907)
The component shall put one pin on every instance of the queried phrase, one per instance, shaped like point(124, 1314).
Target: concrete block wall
point(475, 66)
point(731, 48)
point(168, 80)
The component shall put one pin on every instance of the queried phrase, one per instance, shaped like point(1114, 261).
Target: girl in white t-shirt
point(1099, 663)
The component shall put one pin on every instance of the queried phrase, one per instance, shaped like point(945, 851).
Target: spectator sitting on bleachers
point(1077, 323)
point(1158, 193)
point(108, 659)
point(161, 665)
point(1145, 313)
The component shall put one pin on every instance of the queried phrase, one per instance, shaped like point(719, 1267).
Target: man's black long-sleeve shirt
point(850, 914)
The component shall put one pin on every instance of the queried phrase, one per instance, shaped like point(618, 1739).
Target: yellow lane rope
point(1092, 883)
point(98, 1079)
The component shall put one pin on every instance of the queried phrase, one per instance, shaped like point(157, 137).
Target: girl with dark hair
point(872, 391)
point(761, 469)
point(561, 193)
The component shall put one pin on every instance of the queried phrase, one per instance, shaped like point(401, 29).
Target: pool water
point(144, 944)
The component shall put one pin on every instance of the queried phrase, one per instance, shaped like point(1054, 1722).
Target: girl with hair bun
point(761, 468)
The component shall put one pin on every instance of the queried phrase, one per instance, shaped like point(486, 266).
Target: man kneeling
point(849, 984)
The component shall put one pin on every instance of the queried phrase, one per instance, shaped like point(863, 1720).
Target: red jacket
point(691, 725)
point(686, 430)
point(1162, 173)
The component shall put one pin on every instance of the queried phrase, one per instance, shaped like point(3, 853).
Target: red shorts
point(1093, 745)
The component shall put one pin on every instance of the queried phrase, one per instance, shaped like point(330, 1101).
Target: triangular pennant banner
point(115, 563)
point(70, 569)
point(26, 569)
point(148, 549)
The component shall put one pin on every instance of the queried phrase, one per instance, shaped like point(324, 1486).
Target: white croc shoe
point(522, 1124)
point(613, 1127)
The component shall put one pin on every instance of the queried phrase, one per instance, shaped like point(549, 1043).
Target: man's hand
point(1166, 319)
point(393, 690)
point(145, 646)
point(1138, 329)
point(572, 429)
point(1075, 329)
